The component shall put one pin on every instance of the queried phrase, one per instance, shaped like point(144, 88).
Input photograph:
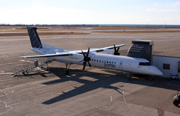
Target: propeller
point(116, 50)
point(86, 59)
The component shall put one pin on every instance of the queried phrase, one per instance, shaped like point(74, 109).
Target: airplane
point(91, 57)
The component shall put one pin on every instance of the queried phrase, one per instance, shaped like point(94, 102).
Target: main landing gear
point(66, 72)
point(151, 78)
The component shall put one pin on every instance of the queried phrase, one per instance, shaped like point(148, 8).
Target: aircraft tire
point(66, 72)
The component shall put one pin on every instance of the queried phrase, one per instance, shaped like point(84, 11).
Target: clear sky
point(90, 12)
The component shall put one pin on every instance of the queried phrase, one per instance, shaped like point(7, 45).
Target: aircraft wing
point(48, 55)
point(96, 49)
point(107, 48)
point(70, 53)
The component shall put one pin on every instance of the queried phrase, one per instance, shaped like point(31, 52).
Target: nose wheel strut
point(66, 72)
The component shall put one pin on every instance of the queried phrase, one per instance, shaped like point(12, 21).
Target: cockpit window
point(144, 63)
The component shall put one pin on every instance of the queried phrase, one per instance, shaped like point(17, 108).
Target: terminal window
point(166, 66)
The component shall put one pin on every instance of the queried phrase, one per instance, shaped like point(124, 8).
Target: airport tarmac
point(93, 92)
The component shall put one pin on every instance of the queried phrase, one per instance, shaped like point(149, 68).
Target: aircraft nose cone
point(157, 72)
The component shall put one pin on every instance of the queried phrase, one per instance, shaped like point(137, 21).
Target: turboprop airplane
point(91, 57)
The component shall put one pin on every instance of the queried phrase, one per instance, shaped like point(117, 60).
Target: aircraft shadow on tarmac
point(102, 81)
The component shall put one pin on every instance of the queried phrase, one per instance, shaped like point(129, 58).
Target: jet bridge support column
point(141, 49)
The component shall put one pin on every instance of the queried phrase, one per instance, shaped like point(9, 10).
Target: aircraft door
point(121, 65)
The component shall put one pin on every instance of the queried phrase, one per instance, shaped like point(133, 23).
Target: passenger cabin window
point(144, 64)
point(166, 66)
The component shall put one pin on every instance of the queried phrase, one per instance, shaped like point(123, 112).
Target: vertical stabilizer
point(34, 38)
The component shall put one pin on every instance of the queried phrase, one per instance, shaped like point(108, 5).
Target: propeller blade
point(118, 49)
point(86, 59)
point(83, 53)
point(84, 63)
point(89, 64)
point(114, 48)
point(88, 52)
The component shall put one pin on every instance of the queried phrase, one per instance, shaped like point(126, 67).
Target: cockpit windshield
point(144, 63)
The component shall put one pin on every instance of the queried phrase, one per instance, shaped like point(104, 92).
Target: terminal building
point(169, 66)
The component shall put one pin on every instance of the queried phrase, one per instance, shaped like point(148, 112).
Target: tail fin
point(34, 38)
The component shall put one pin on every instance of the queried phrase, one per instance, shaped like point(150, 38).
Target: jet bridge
point(141, 49)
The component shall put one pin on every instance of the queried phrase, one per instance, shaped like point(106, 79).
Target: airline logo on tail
point(34, 38)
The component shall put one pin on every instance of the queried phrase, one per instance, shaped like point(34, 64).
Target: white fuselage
point(123, 63)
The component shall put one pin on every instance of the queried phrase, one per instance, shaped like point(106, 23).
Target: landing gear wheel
point(66, 72)
point(67, 69)
point(151, 78)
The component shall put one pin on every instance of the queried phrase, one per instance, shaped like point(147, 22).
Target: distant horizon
point(96, 24)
